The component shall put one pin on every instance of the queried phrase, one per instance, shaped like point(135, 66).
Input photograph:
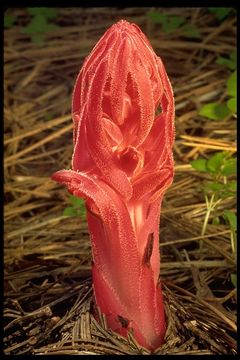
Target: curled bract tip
point(118, 95)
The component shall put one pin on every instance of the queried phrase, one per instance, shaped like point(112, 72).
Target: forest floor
point(47, 256)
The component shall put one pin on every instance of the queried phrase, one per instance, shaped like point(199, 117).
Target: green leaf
point(230, 167)
point(199, 164)
point(231, 186)
point(216, 220)
point(48, 13)
point(213, 186)
point(233, 56)
point(215, 162)
point(70, 211)
point(228, 62)
point(222, 190)
point(228, 190)
point(232, 104)
point(231, 217)
point(231, 62)
point(37, 25)
point(81, 212)
point(220, 12)
point(173, 23)
point(215, 111)
point(176, 21)
point(76, 202)
point(51, 27)
point(232, 84)
point(191, 31)
point(157, 17)
point(37, 38)
point(9, 20)
point(226, 194)
point(234, 280)
point(169, 23)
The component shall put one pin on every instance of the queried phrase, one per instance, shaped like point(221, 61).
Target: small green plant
point(172, 23)
point(234, 279)
point(39, 24)
point(221, 167)
point(77, 207)
point(218, 111)
point(9, 20)
point(230, 61)
point(220, 12)
point(215, 111)
point(232, 92)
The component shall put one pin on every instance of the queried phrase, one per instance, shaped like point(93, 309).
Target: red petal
point(98, 144)
point(81, 159)
point(116, 246)
point(145, 185)
point(113, 131)
point(145, 98)
point(119, 70)
point(152, 310)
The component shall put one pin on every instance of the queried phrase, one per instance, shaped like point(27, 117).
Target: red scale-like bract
point(123, 116)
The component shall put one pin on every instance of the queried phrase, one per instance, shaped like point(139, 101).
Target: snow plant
point(122, 164)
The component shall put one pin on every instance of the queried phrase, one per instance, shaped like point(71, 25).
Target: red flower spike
point(123, 116)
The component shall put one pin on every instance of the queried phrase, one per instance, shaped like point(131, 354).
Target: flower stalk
point(122, 164)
